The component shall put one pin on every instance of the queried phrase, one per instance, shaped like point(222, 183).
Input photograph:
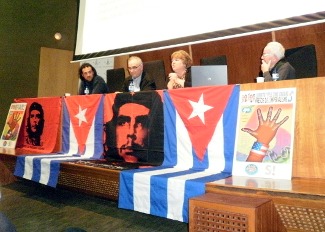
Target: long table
point(301, 205)
point(300, 202)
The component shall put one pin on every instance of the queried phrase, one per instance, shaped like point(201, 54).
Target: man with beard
point(135, 133)
point(35, 124)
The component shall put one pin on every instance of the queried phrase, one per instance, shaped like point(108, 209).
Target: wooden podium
point(300, 202)
point(223, 212)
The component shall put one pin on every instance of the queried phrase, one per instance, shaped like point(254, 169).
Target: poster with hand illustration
point(11, 129)
point(265, 133)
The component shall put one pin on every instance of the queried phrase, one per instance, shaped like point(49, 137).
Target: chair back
point(304, 60)
point(156, 69)
point(214, 60)
point(115, 79)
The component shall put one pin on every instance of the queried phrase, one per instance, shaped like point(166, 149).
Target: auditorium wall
point(25, 27)
point(244, 53)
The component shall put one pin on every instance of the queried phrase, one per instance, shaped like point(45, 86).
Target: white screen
point(113, 27)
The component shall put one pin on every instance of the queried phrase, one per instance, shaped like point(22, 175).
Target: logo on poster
point(251, 169)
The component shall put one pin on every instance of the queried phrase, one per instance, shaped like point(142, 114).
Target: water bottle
point(86, 90)
point(275, 75)
point(131, 86)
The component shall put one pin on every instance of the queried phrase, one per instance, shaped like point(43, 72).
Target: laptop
point(208, 75)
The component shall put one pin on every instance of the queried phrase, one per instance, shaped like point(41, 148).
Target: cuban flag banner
point(199, 138)
point(82, 139)
point(82, 131)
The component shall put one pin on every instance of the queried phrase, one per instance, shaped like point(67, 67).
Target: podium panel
point(222, 212)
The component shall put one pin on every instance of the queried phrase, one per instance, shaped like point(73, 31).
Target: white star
point(81, 115)
point(199, 108)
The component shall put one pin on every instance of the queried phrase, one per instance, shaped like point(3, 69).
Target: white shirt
point(136, 82)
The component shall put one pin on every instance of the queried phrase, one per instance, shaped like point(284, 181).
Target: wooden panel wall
point(56, 74)
point(243, 53)
point(313, 34)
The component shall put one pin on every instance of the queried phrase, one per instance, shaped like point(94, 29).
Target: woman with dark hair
point(91, 83)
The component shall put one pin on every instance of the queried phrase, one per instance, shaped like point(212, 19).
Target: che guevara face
point(131, 130)
point(34, 119)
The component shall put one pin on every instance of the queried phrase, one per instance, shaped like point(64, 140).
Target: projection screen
point(117, 27)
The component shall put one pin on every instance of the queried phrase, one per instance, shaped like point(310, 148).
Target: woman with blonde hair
point(181, 65)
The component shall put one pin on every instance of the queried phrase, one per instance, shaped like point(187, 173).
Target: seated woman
point(181, 65)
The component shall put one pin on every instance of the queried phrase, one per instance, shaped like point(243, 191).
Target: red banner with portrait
point(41, 127)
point(134, 127)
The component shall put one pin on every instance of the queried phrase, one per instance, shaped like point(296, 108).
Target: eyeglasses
point(134, 67)
point(266, 54)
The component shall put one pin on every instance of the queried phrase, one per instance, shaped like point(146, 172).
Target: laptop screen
point(207, 75)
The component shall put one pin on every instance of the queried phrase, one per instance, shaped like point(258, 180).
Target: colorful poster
point(265, 133)
point(11, 129)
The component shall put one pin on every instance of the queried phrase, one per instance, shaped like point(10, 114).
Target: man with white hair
point(274, 65)
point(139, 79)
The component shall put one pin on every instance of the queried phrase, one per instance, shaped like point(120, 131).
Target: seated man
point(90, 82)
point(274, 66)
point(139, 80)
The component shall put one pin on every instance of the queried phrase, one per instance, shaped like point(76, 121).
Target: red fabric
point(128, 139)
point(82, 110)
point(51, 107)
point(201, 117)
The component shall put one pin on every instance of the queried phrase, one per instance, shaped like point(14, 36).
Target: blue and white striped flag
point(200, 132)
point(82, 139)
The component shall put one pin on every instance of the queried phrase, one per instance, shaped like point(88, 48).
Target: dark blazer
point(147, 83)
point(285, 70)
point(96, 86)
